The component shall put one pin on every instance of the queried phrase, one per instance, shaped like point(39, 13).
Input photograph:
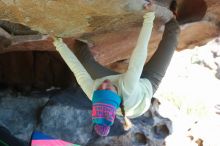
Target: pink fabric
point(50, 143)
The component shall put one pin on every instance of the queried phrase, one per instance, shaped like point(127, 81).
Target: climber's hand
point(55, 38)
point(56, 41)
point(149, 6)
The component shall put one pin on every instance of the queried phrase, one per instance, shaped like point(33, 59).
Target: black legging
point(154, 70)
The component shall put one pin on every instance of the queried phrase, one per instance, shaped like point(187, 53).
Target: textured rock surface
point(102, 24)
point(67, 116)
point(19, 114)
point(78, 16)
point(85, 16)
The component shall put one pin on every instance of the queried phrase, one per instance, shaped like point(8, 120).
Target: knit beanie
point(105, 104)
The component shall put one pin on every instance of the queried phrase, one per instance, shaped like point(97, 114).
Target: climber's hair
point(122, 108)
point(127, 123)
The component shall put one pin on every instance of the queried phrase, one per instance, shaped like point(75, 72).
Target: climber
point(131, 91)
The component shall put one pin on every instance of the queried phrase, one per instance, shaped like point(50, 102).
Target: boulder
point(19, 114)
point(67, 116)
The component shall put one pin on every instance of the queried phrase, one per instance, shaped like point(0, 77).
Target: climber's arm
point(82, 76)
point(139, 54)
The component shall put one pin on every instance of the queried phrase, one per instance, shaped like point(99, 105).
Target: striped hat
point(105, 104)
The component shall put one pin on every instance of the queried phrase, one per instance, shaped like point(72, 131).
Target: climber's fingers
point(56, 39)
point(53, 37)
point(149, 6)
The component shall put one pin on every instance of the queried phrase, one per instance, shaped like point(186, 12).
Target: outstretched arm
point(82, 76)
point(139, 55)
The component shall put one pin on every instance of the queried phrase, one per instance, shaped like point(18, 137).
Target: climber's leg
point(156, 68)
point(85, 57)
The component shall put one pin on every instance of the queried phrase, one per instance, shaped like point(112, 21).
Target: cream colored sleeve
point(139, 55)
point(82, 76)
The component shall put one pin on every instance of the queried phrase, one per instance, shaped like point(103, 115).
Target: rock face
point(78, 17)
point(87, 16)
point(110, 28)
point(67, 115)
point(20, 119)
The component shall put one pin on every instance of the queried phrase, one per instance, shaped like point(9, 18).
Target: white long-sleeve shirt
point(135, 91)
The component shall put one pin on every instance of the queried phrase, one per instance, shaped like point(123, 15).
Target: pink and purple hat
point(105, 104)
